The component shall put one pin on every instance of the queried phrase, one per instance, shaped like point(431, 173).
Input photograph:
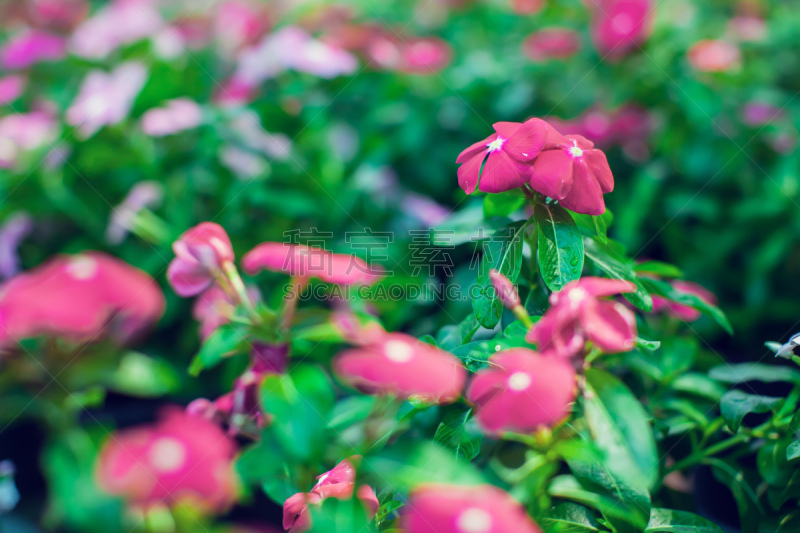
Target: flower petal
point(598, 165)
point(469, 173)
point(603, 286)
point(501, 173)
point(527, 141)
point(585, 196)
point(609, 325)
point(475, 149)
point(552, 173)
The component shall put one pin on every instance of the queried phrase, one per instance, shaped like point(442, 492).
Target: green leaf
point(617, 267)
point(300, 403)
point(503, 204)
point(475, 355)
point(793, 450)
point(669, 521)
point(453, 433)
point(621, 429)
point(700, 385)
point(340, 515)
point(385, 510)
point(560, 246)
point(569, 518)
point(644, 344)
point(224, 342)
point(665, 290)
point(735, 405)
point(467, 225)
point(744, 372)
point(140, 375)
point(750, 509)
point(450, 337)
point(516, 329)
point(657, 268)
point(405, 466)
point(502, 253)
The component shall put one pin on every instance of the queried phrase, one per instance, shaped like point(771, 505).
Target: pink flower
point(684, 312)
point(11, 88)
point(460, 509)
point(249, 132)
point(58, 13)
point(760, 113)
point(551, 43)
point(145, 194)
point(424, 55)
point(714, 56)
point(239, 23)
point(527, 7)
point(521, 391)
point(12, 232)
point(106, 98)
point(22, 132)
point(31, 47)
point(235, 92)
point(505, 290)
point(200, 254)
point(79, 297)
point(577, 315)
point(291, 48)
point(214, 307)
point(508, 154)
point(339, 483)
point(572, 171)
point(121, 23)
point(179, 459)
point(401, 365)
point(304, 262)
point(178, 115)
point(618, 26)
point(747, 28)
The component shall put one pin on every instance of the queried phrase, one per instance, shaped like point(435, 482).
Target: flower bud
point(199, 255)
point(506, 291)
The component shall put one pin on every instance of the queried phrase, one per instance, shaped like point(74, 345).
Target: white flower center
point(574, 150)
point(496, 144)
point(398, 351)
point(167, 455)
point(519, 381)
point(82, 267)
point(576, 296)
point(474, 520)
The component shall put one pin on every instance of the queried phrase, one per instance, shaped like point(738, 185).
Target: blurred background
point(124, 123)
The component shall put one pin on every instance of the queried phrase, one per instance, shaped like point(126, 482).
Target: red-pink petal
point(469, 173)
point(598, 165)
point(585, 196)
point(527, 141)
point(599, 287)
point(506, 129)
point(501, 173)
point(552, 173)
point(609, 325)
point(475, 149)
point(188, 279)
point(557, 333)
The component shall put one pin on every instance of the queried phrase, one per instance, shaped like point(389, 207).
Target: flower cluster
point(565, 168)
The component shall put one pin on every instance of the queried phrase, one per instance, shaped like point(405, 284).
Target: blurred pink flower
point(145, 194)
point(304, 262)
point(551, 43)
point(247, 128)
point(527, 7)
point(30, 47)
point(577, 315)
point(401, 365)
point(79, 297)
point(522, 390)
point(684, 312)
point(21, 132)
point(239, 23)
point(106, 99)
point(213, 308)
point(508, 154)
point(180, 459)
point(619, 26)
point(747, 28)
point(11, 88)
point(462, 509)
point(120, 23)
point(13, 231)
point(424, 55)
point(339, 483)
point(714, 56)
point(200, 255)
point(291, 48)
point(234, 92)
point(572, 171)
point(423, 209)
point(58, 13)
point(178, 115)
point(760, 113)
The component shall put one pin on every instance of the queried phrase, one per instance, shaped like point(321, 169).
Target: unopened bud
point(505, 290)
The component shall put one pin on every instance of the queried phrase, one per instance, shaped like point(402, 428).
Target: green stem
point(239, 289)
point(698, 456)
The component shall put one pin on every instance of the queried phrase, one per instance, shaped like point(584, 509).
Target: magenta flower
point(572, 171)
point(551, 43)
point(239, 23)
point(31, 47)
point(507, 154)
point(58, 13)
point(619, 26)
point(303, 262)
point(759, 113)
point(424, 55)
point(106, 98)
point(403, 366)
point(114, 297)
point(214, 308)
point(11, 88)
point(527, 7)
point(339, 483)
point(200, 254)
point(577, 315)
point(684, 312)
point(181, 458)
point(714, 56)
point(120, 23)
point(460, 509)
point(522, 391)
point(178, 115)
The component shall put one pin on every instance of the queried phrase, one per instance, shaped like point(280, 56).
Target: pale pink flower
point(521, 391)
point(424, 55)
point(527, 7)
point(714, 56)
point(12, 232)
point(144, 195)
point(58, 13)
point(30, 47)
point(113, 296)
point(747, 28)
point(239, 23)
point(180, 459)
point(684, 312)
point(11, 88)
point(200, 255)
point(619, 26)
point(177, 115)
point(576, 314)
point(248, 130)
point(464, 509)
point(105, 98)
point(760, 113)
point(551, 43)
point(120, 23)
point(214, 307)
